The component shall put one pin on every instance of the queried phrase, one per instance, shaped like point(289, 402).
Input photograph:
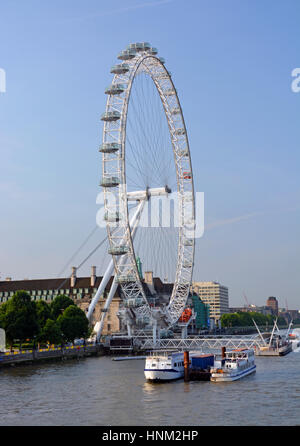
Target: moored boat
point(168, 366)
point(236, 364)
point(294, 339)
point(274, 344)
point(278, 347)
point(164, 366)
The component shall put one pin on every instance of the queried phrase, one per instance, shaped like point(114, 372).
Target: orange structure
point(186, 314)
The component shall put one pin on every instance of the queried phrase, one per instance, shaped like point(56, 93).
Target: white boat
point(274, 344)
point(164, 366)
point(167, 366)
point(236, 364)
point(294, 339)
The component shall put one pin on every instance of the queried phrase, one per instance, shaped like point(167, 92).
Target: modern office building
point(215, 295)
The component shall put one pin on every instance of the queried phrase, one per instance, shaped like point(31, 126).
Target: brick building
point(82, 290)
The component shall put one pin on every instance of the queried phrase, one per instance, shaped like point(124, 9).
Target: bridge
point(207, 343)
point(144, 343)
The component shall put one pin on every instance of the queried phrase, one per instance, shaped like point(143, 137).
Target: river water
point(102, 392)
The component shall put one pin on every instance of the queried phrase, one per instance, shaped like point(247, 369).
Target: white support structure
point(110, 269)
point(114, 286)
point(271, 338)
point(261, 336)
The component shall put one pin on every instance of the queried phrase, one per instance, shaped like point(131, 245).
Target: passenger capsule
point(153, 51)
point(109, 147)
point(110, 116)
point(118, 250)
point(112, 217)
point(115, 89)
point(187, 175)
point(120, 69)
point(109, 182)
point(125, 278)
point(139, 46)
point(134, 302)
point(127, 54)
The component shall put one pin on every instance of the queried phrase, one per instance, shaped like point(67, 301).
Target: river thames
point(100, 392)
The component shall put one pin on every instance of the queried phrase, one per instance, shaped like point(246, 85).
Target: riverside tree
point(43, 312)
point(59, 304)
point(245, 319)
point(73, 323)
point(50, 332)
point(22, 318)
point(19, 318)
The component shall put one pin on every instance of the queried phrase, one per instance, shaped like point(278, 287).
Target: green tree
point(19, 318)
point(259, 318)
point(73, 323)
point(281, 321)
point(59, 304)
point(3, 308)
point(245, 319)
point(43, 312)
point(50, 332)
point(230, 320)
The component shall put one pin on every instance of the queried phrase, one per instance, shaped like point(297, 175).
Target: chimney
point(73, 276)
point(93, 276)
point(149, 277)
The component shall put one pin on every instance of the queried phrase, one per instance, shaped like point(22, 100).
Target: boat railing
point(159, 353)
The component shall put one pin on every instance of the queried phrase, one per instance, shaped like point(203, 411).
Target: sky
point(231, 62)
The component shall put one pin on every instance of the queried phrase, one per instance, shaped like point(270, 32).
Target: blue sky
point(231, 62)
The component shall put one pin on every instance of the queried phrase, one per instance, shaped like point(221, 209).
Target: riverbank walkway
point(37, 355)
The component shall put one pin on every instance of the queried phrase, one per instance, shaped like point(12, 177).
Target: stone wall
point(112, 322)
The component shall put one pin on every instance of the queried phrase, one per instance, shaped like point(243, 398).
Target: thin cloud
point(233, 220)
point(244, 217)
point(117, 11)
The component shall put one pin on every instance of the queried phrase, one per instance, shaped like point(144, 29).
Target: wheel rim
point(114, 182)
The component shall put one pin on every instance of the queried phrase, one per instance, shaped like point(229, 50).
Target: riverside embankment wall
point(34, 356)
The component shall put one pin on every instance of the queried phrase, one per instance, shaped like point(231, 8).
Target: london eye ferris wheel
point(146, 160)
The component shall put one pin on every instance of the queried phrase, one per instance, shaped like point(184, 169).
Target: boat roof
point(164, 353)
point(239, 350)
point(208, 355)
